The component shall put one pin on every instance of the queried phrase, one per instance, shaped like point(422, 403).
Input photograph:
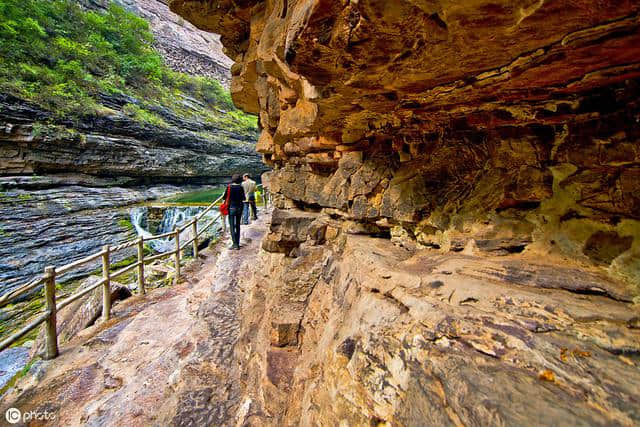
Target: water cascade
point(172, 217)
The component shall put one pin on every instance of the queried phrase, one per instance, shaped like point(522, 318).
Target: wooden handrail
point(25, 330)
point(159, 236)
point(158, 256)
point(7, 298)
point(208, 208)
point(65, 268)
point(124, 270)
point(80, 294)
point(125, 245)
point(51, 273)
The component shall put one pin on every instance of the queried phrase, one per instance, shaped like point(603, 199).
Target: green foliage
point(62, 57)
point(48, 129)
point(123, 263)
point(143, 115)
point(212, 92)
point(201, 197)
point(13, 197)
point(125, 223)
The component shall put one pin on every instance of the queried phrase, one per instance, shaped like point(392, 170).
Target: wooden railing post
point(177, 255)
point(141, 266)
point(106, 286)
point(194, 230)
point(50, 301)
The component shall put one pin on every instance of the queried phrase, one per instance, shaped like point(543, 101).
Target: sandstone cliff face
point(457, 232)
point(515, 124)
point(347, 329)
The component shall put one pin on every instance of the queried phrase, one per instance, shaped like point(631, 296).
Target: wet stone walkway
point(163, 359)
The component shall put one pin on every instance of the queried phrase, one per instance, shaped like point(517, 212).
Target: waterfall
point(176, 216)
point(138, 215)
point(171, 217)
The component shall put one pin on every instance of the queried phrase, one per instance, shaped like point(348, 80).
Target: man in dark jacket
point(235, 192)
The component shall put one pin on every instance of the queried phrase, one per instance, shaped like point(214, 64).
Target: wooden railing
point(48, 279)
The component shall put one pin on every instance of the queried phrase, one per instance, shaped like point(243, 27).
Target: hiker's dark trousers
point(252, 204)
point(235, 216)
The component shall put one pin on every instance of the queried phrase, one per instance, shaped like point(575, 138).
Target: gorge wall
point(184, 47)
point(456, 239)
point(510, 123)
point(117, 145)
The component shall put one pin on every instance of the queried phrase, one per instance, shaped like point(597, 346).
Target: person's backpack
point(224, 207)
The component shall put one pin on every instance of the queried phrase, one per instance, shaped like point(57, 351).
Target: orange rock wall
point(456, 239)
point(514, 124)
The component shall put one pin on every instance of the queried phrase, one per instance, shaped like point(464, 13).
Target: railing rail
point(48, 316)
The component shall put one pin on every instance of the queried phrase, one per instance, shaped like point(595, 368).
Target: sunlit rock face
point(513, 123)
point(456, 238)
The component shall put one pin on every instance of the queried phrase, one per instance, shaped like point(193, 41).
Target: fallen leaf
point(547, 375)
point(580, 353)
point(563, 354)
point(627, 360)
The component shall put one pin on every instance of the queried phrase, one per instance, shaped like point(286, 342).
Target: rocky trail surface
point(313, 323)
point(166, 358)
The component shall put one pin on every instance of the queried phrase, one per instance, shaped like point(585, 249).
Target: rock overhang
point(490, 119)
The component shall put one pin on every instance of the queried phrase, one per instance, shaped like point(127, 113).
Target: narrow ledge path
point(163, 359)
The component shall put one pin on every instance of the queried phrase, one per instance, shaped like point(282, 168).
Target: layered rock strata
point(34, 141)
point(61, 224)
point(341, 328)
point(457, 232)
point(512, 124)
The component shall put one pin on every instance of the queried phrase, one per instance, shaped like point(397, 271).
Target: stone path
point(164, 359)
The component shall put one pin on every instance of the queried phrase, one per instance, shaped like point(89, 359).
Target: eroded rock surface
point(35, 141)
point(459, 234)
point(354, 330)
point(514, 124)
point(80, 314)
point(167, 358)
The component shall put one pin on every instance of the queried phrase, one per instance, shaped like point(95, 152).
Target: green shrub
point(125, 223)
point(62, 57)
point(144, 116)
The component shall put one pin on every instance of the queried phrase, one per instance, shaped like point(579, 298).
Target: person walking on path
point(250, 188)
point(236, 197)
